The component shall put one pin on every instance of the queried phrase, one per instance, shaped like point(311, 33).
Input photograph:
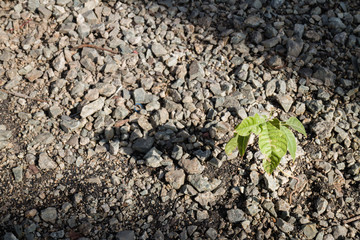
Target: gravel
point(115, 115)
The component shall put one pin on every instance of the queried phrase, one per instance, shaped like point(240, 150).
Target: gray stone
point(196, 70)
point(90, 17)
point(271, 182)
point(336, 24)
point(211, 233)
point(33, 5)
point(78, 89)
point(55, 111)
point(235, 215)
point(5, 135)
point(177, 152)
point(269, 206)
point(191, 166)
point(83, 30)
point(158, 50)
point(284, 226)
point(49, 214)
point(202, 184)
point(143, 144)
point(114, 147)
point(339, 231)
point(175, 178)
point(315, 106)
point(328, 237)
point(294, 47)
point(140, 96)
point(58, 234)
point(323, 129)
point(18, 173)
point(67, 27)
point(285, 101)
point(125, 235)
point(270, 87)
point(275, 62)
point(326, 76)
point(68, 124)
point(59, 62)
point(88, 64)
point(310, 231)
point(153, 158)
point(93, 107)
point(321, 205)
point(270, 43)
point(252, 208)
point(277, 3)
point(44, 12)
point(45, 162)
point(9, 236)
point(253, 21)
point(106, 89)
point(299, 30)
point(203, 198)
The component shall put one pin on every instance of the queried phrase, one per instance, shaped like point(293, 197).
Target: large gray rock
point(45, 162)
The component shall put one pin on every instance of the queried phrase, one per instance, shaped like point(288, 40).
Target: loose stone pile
point(114, 116)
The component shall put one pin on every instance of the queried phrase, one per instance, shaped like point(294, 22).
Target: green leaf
point(275, 122)
point(291, 141)
point(296, 125)
point(249, 125)
point(232, 144)
point(270, 164)
point(242, 144)
point(273, 145)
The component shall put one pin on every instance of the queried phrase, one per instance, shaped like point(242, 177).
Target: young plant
point(275, 138)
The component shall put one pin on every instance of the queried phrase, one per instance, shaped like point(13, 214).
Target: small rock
point(294, 47)
point(339, 232)
point(271, 183)
point(158, 50)
point(59, 62)
point(45, 162)
point(176, 178)
point(310, 231)
point(18, 173)
point(192, 166)
point(125, 235)
point(153, 158)
point(49, 214)
point(284, 226)
point(323, 129)
point(9, 236)
point(202, 184)
point(196, 70)
point(321, 205)
point(211, 233)
point(204, 198)
point(68, 124)
point(235, 215)
point(285, 101)
point(326, 76)
point(92, 107)
point(143, 144)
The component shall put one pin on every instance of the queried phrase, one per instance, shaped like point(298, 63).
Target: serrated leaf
point(273, 144)
point(242, 144)
point(232, 144)
point(249, 125)
point(291, 141)
point(296, 125)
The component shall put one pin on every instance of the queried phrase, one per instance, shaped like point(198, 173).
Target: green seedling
point(275, 138)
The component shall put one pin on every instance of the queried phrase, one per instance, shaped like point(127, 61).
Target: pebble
point(235, 215)
point(45, 162)
point(49, 214)
point(310, 231)
point(93, 107)
point(175, 178)
point(284, 226)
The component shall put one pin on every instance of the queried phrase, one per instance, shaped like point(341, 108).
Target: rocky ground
point(124, 138)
